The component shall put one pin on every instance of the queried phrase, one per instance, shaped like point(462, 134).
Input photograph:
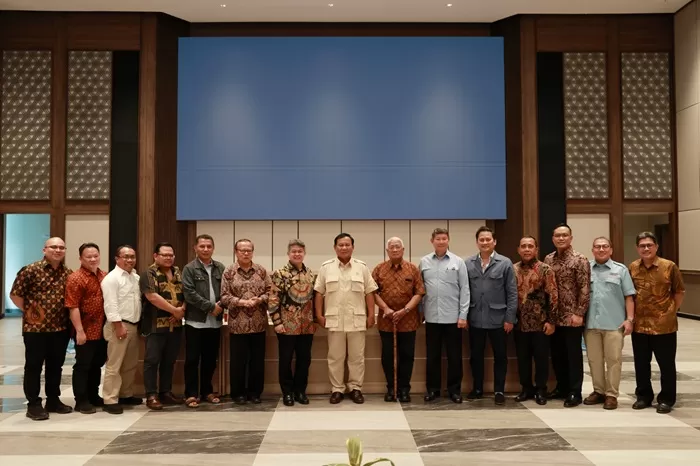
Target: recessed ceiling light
point(330, 4)
point(448, 5)
point(223, 6)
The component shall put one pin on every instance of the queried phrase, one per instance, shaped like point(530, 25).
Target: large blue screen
point(310, 128)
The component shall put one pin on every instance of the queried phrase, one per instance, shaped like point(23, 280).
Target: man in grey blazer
point(492, 311)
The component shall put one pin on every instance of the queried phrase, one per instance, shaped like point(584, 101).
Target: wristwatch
point(630, 320)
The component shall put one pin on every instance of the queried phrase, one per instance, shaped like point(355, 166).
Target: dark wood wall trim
point(528, 74)
point(59, 117)
point(87, 207)
point(2, 266)
point(338, 29)
point(614, 92)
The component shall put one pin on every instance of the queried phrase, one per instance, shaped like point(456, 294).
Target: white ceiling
point(351, 10)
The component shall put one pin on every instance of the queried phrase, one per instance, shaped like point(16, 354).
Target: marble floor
point(440, 434)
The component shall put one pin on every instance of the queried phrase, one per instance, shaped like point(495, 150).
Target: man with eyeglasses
point(573, 274)
point(39, 293)
point(609, 319)
point(120, 289)
point(161, 323)
point(660, 293)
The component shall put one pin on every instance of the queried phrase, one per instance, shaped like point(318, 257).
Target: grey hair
point(394, 239)
point(296, 242)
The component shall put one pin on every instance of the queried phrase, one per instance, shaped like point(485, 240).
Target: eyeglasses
point(601, 247)
point(57, 248)
point(128, 258)
point(166, 256)
point(646, 246)
point(245, 251)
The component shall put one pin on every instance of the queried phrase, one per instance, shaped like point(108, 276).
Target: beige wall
point(633, 225)
point(687, 74)
point(586, 228)
point(86, 229)
point(271, 238)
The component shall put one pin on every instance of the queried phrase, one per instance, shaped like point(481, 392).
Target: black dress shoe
point(336, 397)
point(431, 396)
point(641, 404)
point(557, 394)
point(131, 401)
point(389, 397)
point(524, 396)
point(288, 399)
point(541, 398)
point(456, 397)
point(85, 408)
point(37, 413)
point(475, 395)
point(301, 398)
point(56, 406)
point(500, 399)
point(404, 396)
point(663, 408)
point(112, 409)
point(356, 397)
point(572, 401)
point(255, 399)
point(239, 400)
point(97, 401)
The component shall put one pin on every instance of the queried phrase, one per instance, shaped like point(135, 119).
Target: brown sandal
point(214, 398)
point(192, 402)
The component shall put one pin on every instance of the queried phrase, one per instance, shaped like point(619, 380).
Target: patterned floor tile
point(452, 440)
point(476, 419)
point(183, 442)
point(352, 420)
point(54, 443)
point(173, 459)
point(643, 457)
point(193, 420)
point(305, 441)
point(538, 458)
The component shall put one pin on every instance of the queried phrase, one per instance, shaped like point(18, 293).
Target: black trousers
point(89, 359)
point(663, 347)
point(449, 336)
point(405, 353)
point(477, 346)
point(294, 381)
point(567, 359)
point(44, 348)
point(529, 345)
point(159, 361)
point(247, 357)
point(201, 354)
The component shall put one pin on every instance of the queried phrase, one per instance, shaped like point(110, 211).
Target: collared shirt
point(610, 283)
point(655, 307)
point(493, 291)
point(292, 299)
point(538, 297)
point(484, 263)
point(211, 321)
point(120, 290)
point(446, 288)
point(155, 281)
point(43, 289)
point(397, 285)
point(573, 274)
point(344, 287)
point(83, 292)
point(238, 284)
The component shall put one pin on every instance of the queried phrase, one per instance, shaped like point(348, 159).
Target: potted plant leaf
point(354, 446)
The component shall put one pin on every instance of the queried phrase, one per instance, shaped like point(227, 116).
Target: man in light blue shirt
point(609, 319)
point(445, 307)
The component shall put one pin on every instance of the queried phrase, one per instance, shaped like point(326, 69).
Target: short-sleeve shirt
point(610, 283)
point(43, 289)
point(291, 302)
point(655, 307)
point(155, 281)
point(344, 287)
point(83, 292)
point(397, 284)
point(237, 284)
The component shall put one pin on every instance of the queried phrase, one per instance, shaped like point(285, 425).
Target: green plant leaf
point(379, 460)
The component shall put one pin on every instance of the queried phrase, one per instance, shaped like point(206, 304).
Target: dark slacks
point(405, 353)
point(477, 346)
point(529, 345)
point(41, 348)
point(87, 371)
point(201, 354)
point(294, 381)
point(449, 336)
point(567, 359)
point(247, 364)
point(663, 347)
point(159, 361)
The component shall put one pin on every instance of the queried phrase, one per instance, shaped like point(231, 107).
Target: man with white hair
point(399, 294)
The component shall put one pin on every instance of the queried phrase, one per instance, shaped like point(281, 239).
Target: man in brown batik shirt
point(573, 274)
point(398, 296)
point(660, 292)
point(537, 304)
point(39, 292)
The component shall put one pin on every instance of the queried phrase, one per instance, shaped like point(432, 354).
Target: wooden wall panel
point(59, 117)
point(614, 93)
point(646, 33)
point(24, 30)
point(104, 31)
point(575, 33)
point(339, 29)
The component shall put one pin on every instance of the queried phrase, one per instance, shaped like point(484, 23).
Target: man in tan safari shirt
point(346, 287)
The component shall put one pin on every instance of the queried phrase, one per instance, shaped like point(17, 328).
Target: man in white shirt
point(122, 298)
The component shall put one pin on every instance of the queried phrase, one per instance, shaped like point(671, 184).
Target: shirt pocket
point(497, 314)
point(451, 275)
point(332, 321)
point(613, 280)
point(357, 285)
point(332, 285)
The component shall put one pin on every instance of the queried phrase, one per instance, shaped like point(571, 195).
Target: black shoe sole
point(39, 417)
point(113, 411)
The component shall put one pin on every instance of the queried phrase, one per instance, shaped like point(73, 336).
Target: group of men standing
point(549, 304)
